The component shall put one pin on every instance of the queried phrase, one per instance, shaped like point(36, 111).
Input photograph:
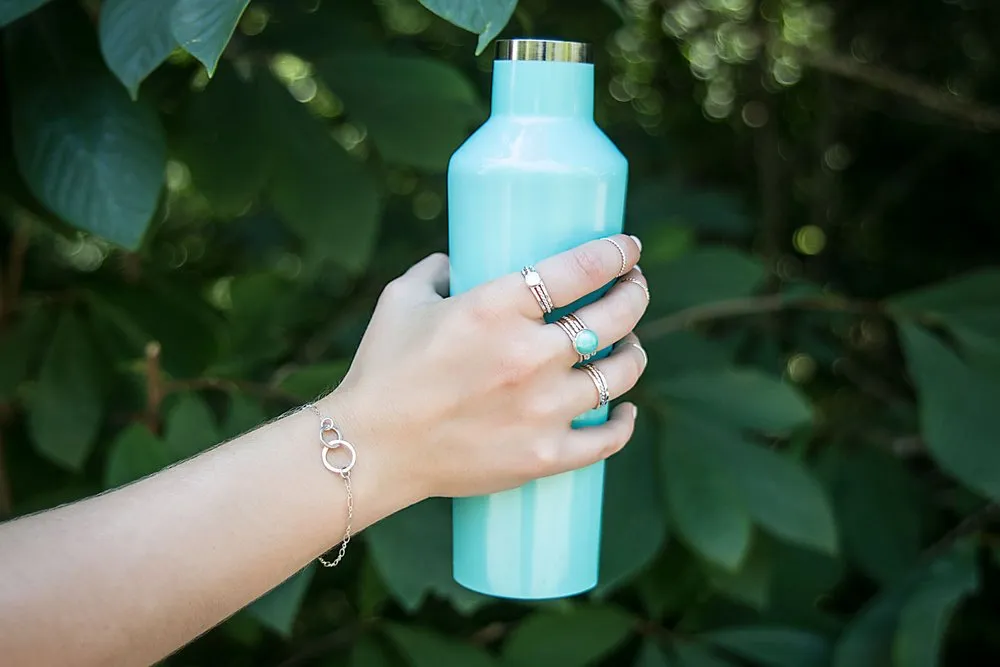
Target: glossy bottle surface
point(539, 177)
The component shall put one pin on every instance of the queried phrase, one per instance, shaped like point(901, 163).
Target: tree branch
point(754, 305)
point(931, 97)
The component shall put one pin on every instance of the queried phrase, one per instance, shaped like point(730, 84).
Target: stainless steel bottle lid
point(544, 49)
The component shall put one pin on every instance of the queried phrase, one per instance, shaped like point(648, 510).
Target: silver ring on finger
point(637, 282)
point(600, 384)
point(621, 254)
point(585, 341)
point(642, 350)
point(534, 282)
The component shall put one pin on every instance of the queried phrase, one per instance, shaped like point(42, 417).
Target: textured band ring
point(538, 290)
point(600, 383)
point(621, 253)
point(637, 282)
point(585, 341)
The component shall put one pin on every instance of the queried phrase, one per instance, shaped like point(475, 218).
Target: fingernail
point(638, 243)
point(636, 267)
point(635, 411)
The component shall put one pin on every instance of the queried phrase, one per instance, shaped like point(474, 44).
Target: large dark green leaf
point(690, 654)
point(424, 648)
point(633, 528)
point(969, 302)
point(773, 646)
point(135, 38)
point(204, 27)
point(370, 652)
point(85, 150)
point(702, 496)
point(20, 346)
point(742, 397)
point(326, 197)
point(574, 638)
point(190, 427)
point(440, 104)
point(651, 655)
point(959, 411)
point(667, 202)
point(486, 18)
point(309, 382)
point(412, 552)
point(220, 142)
point(924, 619)
point(11, 10)
point(752, 583)
point(708, 274)
point(65, 410)
point(244, 414)
point(681, 352)
point(879, 512)
point(278, 608)
point(134, 454)
point(877, 635)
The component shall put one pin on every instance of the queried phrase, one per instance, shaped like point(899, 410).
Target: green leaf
point(969, 302)
point(411, 550)
point(690, 654)
point(741, 397)
point(711, 273)
point(650, 655)
point(959, 411)
point(326, 197)
point(672, 584)
point(278, 608)
point(190, 427)
point(873, 635)
point(135, 38)
point(924, 619)
point(879, 512)
point(423, 648)
point(751, 584)
point(369, 652)
point(64, 413)
point(309, 382)
point(204, 27)
point(773, 646)
point(134, 454)
point(90, 154)
point(11, 10)
point(702, 496)
point(20, 346)
point(683, 351)
point(573, 638)
point(633, 527)
point(440, 104)
point(244, 415)
point(486, 18)
point(662, 202)
point(216, 142)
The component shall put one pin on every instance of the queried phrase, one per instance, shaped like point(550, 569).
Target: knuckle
point(590, 264)
point(394, 290)
point(517, 366)
point(483, 311)
point(544, 456)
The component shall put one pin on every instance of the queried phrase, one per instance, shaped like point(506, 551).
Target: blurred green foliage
point(201, 200)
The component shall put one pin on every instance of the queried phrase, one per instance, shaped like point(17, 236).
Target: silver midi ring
point(621, 253)
point(585, 341)
point(600, 383)
point(637, 282)
point(642, 350)
point(538, 290)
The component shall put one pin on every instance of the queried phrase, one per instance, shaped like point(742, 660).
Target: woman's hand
point(475, 393)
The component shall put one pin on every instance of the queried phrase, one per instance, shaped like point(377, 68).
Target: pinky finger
point(584, 446)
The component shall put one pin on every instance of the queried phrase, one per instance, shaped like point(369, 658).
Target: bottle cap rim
point(549, 50)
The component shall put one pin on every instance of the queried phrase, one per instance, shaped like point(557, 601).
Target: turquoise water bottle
point(539, 177)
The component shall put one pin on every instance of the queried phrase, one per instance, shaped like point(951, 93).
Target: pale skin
point(446, 397)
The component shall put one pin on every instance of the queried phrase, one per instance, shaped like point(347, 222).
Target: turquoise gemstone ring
point(585, 341)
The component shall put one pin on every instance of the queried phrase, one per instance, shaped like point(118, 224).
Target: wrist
point(381, 478)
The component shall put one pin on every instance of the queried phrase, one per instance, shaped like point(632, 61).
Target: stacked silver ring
point(537, 286)
point(573, 325)
point(621, 254)
point(600, 383)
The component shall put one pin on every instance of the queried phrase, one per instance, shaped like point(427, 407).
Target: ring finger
point(610, 318)
point(620, 370)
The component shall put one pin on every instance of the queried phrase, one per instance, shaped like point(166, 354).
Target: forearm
point(130, 576)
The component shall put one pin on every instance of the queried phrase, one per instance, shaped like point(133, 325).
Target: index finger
point(572, 274)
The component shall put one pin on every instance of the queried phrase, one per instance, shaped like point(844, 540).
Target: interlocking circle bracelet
point(326, 427)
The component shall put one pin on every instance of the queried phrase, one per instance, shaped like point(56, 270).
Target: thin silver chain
point(346, 476)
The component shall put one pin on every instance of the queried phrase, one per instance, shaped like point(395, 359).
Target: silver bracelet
point(326, 427)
